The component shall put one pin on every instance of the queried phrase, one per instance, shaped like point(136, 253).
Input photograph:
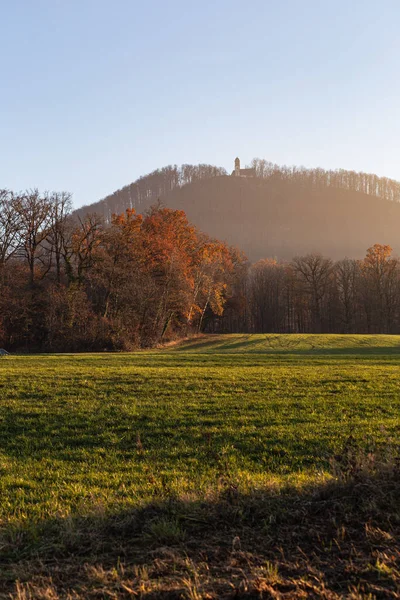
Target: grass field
point(175, 446)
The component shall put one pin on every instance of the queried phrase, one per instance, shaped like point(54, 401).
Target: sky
point(96, 93)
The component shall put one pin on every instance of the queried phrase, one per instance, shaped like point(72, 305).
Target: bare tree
point(10, 226)
point(34, 211)
point(347, 276)
point(78, 242)
point(313, 272)
point(267, 286)
point(60, 204)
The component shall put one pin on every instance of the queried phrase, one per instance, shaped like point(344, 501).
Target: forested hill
point(282, 212)
point(147, 190)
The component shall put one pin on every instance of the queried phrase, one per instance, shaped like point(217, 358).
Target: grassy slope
point(289, 344)
point(218, 420)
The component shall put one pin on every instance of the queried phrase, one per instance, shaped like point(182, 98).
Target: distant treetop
point(148, 189)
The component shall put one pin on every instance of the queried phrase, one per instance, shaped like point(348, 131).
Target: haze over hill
point(281, 212)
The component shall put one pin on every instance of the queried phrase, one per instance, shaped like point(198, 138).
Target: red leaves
point(189, 270)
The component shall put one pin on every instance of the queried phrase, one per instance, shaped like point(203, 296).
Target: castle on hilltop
point(238, 172)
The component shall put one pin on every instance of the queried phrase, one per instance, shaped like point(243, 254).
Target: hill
point(266, 218)
point(279, 215)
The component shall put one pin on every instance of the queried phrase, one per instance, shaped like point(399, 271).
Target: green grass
point(123, 428)
point(81, 434)
point(332, 344)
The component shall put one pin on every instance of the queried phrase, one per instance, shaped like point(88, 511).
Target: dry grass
point(337, 540)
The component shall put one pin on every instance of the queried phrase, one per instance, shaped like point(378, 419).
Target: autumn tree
point(213, 267)
point(380, 291)
point(169, 242)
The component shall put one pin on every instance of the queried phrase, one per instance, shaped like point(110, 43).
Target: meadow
point(218, 436)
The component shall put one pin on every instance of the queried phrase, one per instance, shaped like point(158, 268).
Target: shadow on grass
point(247, 348)
point(335, 540)
point(296, 344)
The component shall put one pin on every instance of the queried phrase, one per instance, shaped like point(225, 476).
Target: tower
point(237, 167)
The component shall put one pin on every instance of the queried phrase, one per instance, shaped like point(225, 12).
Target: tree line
point(70, 283)
point(366, 183)
point(148, 189)
point(313, 294)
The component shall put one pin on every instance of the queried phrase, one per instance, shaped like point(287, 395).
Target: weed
point(165, 531)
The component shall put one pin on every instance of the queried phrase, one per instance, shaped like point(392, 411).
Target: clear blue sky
point(95, 93)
